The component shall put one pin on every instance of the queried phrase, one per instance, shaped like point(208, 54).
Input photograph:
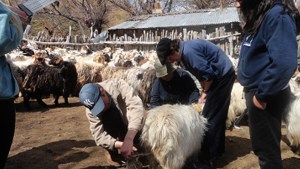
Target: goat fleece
point(42, 80)
point(173, 133)
point(291, 119)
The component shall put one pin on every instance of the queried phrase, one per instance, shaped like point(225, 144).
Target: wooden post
point(114, 37)
point(204, 34)
point(76, 39)
point(134, 36)
point(70, 34)
point(195, 34)
point(217, 32)
point(27, 30)
point(125, 37)
point(230, 39)
point(184, 33)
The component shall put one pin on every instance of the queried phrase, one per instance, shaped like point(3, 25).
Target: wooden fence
point(228, 41)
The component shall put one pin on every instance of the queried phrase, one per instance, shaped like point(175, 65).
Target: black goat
point(43, 80)
point(68, 72)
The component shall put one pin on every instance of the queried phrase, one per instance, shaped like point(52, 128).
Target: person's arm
point(205, 88)
point(135, 115)
point(101, 137)
point(206, 85)
point(126, 147)
point(154, 95)
point(278, 28)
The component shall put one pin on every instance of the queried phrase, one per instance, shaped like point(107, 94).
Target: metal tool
point(32, 6)
point(238, 121)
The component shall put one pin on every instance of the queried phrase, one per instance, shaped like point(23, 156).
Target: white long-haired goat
point(291, 119)
point(173, 133)
point(237, 104)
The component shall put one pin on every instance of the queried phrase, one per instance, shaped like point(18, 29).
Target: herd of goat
point(62, 72)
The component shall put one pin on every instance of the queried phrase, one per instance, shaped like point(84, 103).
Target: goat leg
point(40, 101)
point(66, 94)
point(26, 98)
point(66, 100)
point(56, 100)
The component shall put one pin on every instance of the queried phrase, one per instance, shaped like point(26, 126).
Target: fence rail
point(228, 41)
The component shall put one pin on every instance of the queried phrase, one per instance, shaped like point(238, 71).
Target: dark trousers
point(216, 110)
point(7, 128)
point(265, 128)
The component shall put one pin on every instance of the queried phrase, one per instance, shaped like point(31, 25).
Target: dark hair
point(174, 46)
point(254, 11)
point(166, 47)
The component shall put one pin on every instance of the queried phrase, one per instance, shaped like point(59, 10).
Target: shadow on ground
point(51, 155)
point(35, 107)
point(237, 147)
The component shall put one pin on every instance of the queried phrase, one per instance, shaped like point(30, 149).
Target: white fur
point(292, 119)
point(173, 132)
point(237, 104)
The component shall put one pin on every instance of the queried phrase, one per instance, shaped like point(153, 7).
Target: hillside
point(60, 25)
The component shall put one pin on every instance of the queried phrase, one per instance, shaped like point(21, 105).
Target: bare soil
point(59, 138)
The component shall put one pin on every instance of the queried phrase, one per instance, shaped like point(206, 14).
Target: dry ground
point(59, 138)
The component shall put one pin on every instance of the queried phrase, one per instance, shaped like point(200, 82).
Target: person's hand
point(202, 99)
point(127, 149)
point(259, 104)
point(118, 144)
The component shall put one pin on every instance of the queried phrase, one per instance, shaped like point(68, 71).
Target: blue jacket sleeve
point(154, 94)
point(11, 30)
point(280, 36)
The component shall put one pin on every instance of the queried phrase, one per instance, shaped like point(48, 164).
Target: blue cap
point(90, 97)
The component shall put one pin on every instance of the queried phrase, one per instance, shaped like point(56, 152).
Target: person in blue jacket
point(172, 86)
point(268, 59)
point(215, 72)
point(11, 33)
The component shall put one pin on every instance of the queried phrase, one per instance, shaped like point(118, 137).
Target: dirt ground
point(59, 138)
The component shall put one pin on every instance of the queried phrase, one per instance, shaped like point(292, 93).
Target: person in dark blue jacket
point(213, 68)
point(268, 59)
point(172, 86)
point(11, 33)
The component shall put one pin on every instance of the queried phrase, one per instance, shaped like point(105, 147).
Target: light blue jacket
point(10, 38)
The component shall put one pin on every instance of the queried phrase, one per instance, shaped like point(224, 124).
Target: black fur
point(41, 80)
